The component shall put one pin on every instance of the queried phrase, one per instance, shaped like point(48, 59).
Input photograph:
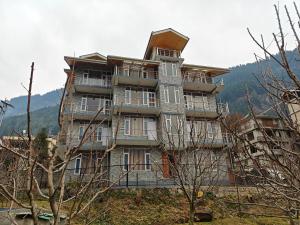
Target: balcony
point(78, 112)
point(137, 137)
point(195, 81)
point(136, 77)
point(92, 142)
point(101, 85)
point(148, 105)
point(205, 109)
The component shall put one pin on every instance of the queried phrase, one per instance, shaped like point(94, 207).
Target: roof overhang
point(212, 71)
point(72, 61)
point(119, 60)
point(167, 38)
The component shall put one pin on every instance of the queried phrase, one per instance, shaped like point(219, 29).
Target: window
point(85, 78)
point(81, 132)
point(164, 69)
point(174, 70)
point(99, 134)
point(168, 123)
point(126, 161)
point(147, 161)
point(126, 71)
point(210, 133)
point(77, 166)
point(145, 126)
point(83, 104)
point(152, 99)
point(250, 136)
point(180, 124)
point(145, 74)
point(127, 126)
point(166, 94)
point(176, 93)
point(127, 96)
point(253, 149)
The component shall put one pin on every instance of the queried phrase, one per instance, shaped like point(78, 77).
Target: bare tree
point(88, 186)
point(277, 175)
point(195, 158)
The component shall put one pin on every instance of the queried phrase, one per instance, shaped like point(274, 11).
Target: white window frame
point(147, 165)
point(128, 161)
point(97, 134)
point(174, 70)
point(128, 96)
point(168, 123)
point(145, 97)
point(82, 104)
point(81, 127)
point(127, 119)
point(77, 170)
point(151, 95)
point(166, 94)
point(85, 78)
point(144, 72)
point(177, 97)
point(164, 68)
point(145, 126)
point(180, 126)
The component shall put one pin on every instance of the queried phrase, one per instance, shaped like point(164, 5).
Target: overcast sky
point(46, 31)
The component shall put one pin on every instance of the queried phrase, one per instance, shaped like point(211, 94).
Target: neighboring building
point(144, 98)
point(261, 142)
point(291, 99)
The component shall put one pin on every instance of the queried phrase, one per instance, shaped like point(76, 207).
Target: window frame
point(177, 98)
point(126, 164)
point(79, 132)
point(168, 124)
point(166, 94)
point(174, 70)
point(127, 119)
point(82, 100)
point(147, 164)
point(164, 68)
point(97, 134)
point(77, 170)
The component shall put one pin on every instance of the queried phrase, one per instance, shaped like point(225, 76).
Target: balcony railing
point(137, 134)
point(121, 100)
point(223, 108)
point(136, 73)
point(104, 81)
point(89, 109)
point(88, 141)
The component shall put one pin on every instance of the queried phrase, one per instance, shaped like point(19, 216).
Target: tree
point(87, 188)
point(40, 144)
point(277, 176)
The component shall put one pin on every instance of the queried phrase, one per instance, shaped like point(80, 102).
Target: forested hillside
point(45, 107)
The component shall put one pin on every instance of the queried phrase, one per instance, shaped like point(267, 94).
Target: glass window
point(166, 94)
point(127, 126)
point(127, 96)
point(81, 132)
point(168, 123)
point(83, 103)
point(126, 161)
point(145, 126)
point(99, 134)
point(176, 92)
point(164, 69)
point(147, 161)
point(174, 69)
point(77, 166)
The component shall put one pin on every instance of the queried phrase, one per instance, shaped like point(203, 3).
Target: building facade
point(263, 139)
point(142, 101)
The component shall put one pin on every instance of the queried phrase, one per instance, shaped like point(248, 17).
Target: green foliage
point(40, 144)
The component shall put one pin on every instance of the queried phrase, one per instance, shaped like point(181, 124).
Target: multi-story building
point(261, 140)
point(141, 101)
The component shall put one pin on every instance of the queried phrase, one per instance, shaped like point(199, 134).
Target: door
point(152, 99)
point(152, 134)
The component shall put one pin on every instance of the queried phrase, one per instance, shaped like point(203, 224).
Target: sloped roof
point(95, 56)
point(167, 38)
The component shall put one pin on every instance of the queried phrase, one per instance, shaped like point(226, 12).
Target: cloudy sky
point(44, 31)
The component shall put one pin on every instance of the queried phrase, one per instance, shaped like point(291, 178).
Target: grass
point(161, 207)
